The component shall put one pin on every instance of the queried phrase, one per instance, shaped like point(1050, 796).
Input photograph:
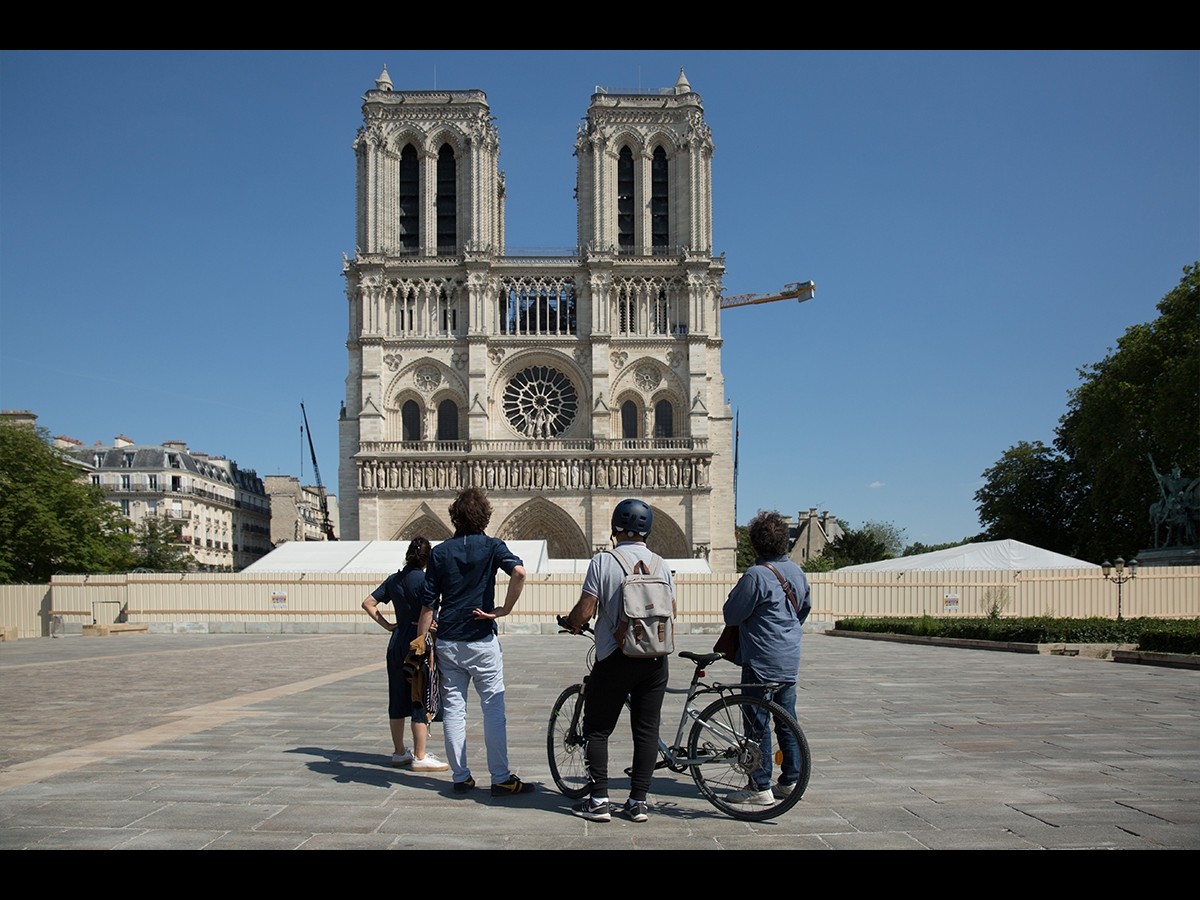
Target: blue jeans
point(481, 663)
point(789, 770)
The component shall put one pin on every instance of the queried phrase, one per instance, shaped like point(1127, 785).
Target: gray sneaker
point(782, 790)
point(635, 810)
point(751, 796)
point(592, 810)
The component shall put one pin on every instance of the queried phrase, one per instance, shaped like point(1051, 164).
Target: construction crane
point(326, 524)
point(797, 290)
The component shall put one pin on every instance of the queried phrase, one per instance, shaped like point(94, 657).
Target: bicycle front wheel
point(729, 741)
point(564, 744)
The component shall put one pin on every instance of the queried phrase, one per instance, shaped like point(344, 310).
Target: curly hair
point(470, 512)
point(768, 532)
point(417, 555)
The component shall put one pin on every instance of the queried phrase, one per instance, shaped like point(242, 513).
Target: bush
point(1154, 635)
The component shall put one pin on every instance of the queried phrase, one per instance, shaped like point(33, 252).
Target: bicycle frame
point(674, 755)
point(720, 743)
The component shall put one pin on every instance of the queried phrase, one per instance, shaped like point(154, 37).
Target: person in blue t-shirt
point(770, 624)
point(403, 590)
point(460, 586)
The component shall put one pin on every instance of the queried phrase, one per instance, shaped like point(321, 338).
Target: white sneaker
point(429, 764)
point(751, 797)
point(782, 790)
point(402, 760)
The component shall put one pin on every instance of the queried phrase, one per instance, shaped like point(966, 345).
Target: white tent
point(388, 556)
point(1004, 555)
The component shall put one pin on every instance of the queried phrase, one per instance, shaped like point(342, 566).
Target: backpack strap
point(626, 566)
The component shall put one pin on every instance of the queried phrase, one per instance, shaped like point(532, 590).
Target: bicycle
point(723, 747)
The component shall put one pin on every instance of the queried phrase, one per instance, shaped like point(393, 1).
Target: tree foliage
point(853, 548)
point(157, 547)
point(52, 521)
point(745, 552)
point(1091, 494)
point(1029, 495)
point(888, 534)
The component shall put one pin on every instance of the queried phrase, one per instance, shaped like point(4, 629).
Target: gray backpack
point(646, 610)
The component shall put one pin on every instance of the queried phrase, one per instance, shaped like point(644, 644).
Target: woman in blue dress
point(403, 590)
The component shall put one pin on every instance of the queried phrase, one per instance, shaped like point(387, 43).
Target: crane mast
point(326, 524)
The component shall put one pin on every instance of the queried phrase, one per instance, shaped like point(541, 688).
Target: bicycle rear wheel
point(727, 737)
point(564, 744)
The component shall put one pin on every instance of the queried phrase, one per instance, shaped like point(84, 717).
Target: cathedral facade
point(559, 384)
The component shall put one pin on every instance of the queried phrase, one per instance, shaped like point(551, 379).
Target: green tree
point(1029, 495)
point(1140, 403)
point(1091, 494)
point(818, 563)
point(888, 534)
point(745, 552)
point(853, 548)
point(52, 520)
point(159, 548)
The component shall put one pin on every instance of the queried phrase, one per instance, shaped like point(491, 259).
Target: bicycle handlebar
point(562, 623)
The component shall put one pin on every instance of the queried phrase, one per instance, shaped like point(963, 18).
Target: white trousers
point(480, 663)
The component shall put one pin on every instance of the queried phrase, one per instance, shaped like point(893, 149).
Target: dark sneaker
point(511, 785)
point(636, 810)
point(593, 810)
point(462, 787)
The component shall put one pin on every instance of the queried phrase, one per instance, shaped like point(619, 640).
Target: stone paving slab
point(279, 741)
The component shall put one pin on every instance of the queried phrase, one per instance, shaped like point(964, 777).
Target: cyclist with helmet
point(616, 676)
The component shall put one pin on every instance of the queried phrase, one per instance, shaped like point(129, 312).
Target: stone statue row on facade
point(536, 474)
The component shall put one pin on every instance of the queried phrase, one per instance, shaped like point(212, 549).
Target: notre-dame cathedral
point(559, 384)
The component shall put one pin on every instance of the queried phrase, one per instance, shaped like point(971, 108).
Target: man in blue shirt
point(460, 585)
point(770, 624)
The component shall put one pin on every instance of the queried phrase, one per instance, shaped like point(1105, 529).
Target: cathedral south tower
point(559, 384)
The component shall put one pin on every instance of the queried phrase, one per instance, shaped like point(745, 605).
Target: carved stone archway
point(424, 522)
point(667, 539)
point(541, 520)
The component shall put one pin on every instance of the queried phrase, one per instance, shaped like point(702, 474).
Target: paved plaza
point(280, 742)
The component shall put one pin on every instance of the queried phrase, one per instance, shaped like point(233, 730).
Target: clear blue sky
point(979, 226)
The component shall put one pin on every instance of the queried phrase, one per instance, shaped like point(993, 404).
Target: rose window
point(540, 402)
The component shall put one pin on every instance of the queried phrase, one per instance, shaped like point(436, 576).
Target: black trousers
point(644, 682)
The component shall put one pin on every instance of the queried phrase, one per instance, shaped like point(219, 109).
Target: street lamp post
point(1120, 577)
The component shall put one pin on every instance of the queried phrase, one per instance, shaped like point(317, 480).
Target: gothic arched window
point(447, 421)
point(410, 421)
point(447, 201)
point(660, 226)
point(664, 419)
point(410, 199)
point(625, 200)
point(629, 420)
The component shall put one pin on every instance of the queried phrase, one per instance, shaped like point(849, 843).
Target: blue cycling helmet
point(633, 516)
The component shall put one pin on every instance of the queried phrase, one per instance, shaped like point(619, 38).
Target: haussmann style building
point(560, 384)
point(218, 511)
